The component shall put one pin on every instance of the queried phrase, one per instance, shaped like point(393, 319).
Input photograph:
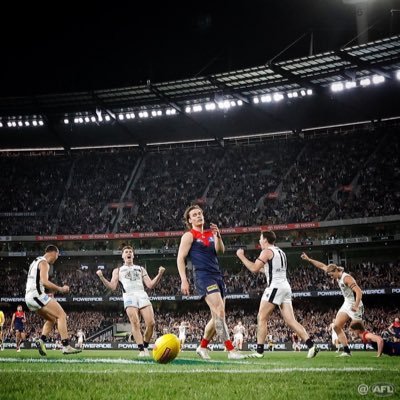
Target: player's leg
point(53, 313)
point(264, 312)
point(288, 315)
point(18, 339)
point(338, 325)
point(148, 317)
point(134, 319)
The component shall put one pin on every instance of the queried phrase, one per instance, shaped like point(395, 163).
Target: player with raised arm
point(17, 323)
point(352, 308)
point(272, 261)
point(44, 305)
point(136, 300)
point(201, 246)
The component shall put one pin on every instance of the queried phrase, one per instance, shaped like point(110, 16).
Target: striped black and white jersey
point(275, 268)
point(33, 283)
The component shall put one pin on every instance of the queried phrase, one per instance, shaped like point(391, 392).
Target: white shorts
point(35, 302)
point(138, 300)
point(238, 337)
point(278, 295)
point(182, 337)
point(346, 308)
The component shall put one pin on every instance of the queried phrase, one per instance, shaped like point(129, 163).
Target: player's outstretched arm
point(316, 263)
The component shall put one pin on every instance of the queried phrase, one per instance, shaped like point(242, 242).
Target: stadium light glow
point(337, 87)
point(377, 79)
point(365, 82)
point(398, 75)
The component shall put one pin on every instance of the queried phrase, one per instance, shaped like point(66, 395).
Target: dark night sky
point(115, 45)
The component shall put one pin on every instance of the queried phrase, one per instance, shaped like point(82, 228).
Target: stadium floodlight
point(87, 119)
point(239, 103)
point(309, 92)
point(34, 123)
point(159, 113)
point(20, 123)
point(121, 117)
point(188, 109)
point(256, 100)
point(210, 106)
point(93, 118)
point(377, 79)
point(365, 82)
point(197, 108)
point(66, 121)
point(107, 118)
point(154, 113)
point(337, 87)
point(398, 75)
point(41, 123)
point(303, 92)
point(266, 98)
point(278, 97)
point(350, 84)
point(1, 124)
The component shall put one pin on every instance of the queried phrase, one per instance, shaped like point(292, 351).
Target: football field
point(103, 374)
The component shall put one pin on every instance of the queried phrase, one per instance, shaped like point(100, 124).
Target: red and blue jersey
point(19, 320)
point(202, 254)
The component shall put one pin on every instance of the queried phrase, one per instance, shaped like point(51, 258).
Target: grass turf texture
point(121, 375)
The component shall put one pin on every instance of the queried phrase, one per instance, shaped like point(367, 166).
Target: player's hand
point(304, 256)
point(65, 289)
point(240, 252)
point(215, 230)
point(185, 288)
point(99, 273)
point(161, 270)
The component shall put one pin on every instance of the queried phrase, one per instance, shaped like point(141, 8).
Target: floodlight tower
point(361, 10)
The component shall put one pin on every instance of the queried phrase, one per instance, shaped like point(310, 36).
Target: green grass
point(103, 374)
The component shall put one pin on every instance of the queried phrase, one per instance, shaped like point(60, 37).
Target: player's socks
point(260, 349)
point(140, 347)
point(228, 344)
point(309, 343)
point(204, 343)
point(346, 349)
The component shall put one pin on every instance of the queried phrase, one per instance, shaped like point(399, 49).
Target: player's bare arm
point(184, 248)
point(151, 283)
point(44, 277)
point(112, 285)
point(258, 264)
point(316, 263)
point(219, 244)
point(352, 284)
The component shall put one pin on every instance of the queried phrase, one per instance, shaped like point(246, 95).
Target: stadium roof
point(277, 96)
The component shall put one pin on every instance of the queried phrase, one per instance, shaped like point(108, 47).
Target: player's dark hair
point(50, 248)
point(186, 214)
point(270, 236)
point(357, 326)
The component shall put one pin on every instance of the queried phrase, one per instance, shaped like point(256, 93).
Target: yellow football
point(166, 348)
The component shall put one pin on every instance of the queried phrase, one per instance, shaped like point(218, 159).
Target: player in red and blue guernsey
point(376, 341)
point(201, 247)
point(17, 323)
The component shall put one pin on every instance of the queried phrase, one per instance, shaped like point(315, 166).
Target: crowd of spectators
point(279, 181)
point(85, 282)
